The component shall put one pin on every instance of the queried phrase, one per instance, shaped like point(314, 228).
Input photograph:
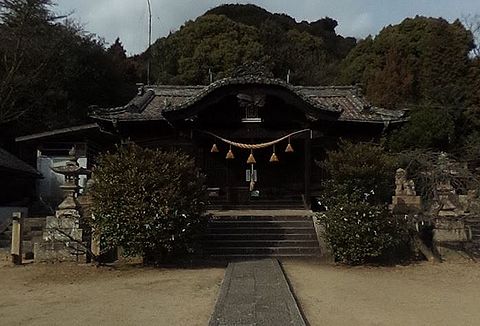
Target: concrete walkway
point(255, 293)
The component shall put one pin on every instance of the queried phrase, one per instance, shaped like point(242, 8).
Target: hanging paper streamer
point(252, 178)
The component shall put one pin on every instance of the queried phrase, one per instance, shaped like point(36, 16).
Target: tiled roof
point(344, 100)
point(10, 162)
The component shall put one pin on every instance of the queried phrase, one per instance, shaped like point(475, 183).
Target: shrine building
point(258, 140)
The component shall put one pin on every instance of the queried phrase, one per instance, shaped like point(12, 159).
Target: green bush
point(360, 232)
point(149, 202)
point(362, 167)
point(357, 225)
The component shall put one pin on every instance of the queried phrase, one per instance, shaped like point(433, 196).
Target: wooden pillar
point(17, 238)
point(308, 167)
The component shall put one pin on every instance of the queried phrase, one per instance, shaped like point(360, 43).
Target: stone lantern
point(63, 236)
point(72, 172)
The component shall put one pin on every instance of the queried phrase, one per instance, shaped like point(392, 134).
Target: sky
point(128, 19)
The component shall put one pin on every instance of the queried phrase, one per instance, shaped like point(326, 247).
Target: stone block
point(451, 253)
point(450, 231)
point(63, 234)
point(59, 251)
point(53, 222)
point(414, 201)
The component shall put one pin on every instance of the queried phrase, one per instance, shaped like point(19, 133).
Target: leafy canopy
point(232, 35)
point(421, 60)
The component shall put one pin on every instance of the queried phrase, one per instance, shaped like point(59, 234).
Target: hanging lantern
point(273, 158)
point(214, 149)
point(230, 155)
point(251, 159)
point(289, 148)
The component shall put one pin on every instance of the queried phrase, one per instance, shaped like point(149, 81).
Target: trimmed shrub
point(149, 202)
point(356, 222)
point(359, 232)
point(361, 167)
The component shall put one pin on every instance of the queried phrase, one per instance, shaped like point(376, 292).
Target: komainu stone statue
point(402, 185)
point(405, 198)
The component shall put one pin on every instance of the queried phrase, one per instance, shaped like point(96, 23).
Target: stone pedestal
point(62, 239)
point(449, 231)
point(406, 203)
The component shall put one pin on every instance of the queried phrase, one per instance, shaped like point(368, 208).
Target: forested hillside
point(230, 35)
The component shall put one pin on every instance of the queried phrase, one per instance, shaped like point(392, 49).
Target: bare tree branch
point(472, 23)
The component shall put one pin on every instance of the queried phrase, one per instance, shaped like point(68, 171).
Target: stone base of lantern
point(62, 239)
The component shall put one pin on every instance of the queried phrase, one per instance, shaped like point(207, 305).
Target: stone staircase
point(253, 236)
point(473, 247)
point(5, 234)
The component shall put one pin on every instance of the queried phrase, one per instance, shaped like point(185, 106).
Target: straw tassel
point(289, 148)
point(251, 159)
point(274, 157)
point(230, 155)
point(214, 149)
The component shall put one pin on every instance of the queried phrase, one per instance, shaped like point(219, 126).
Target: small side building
point(17, 186)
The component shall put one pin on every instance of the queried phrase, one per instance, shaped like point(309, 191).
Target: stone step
point(259, 224)
point(259, 256)
point(256, 230)
point(261, 206)
point(261, 236)
point(262, 251)
point(261, 218)
point(273, 243)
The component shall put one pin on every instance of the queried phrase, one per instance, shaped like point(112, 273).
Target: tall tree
point(422, 60)
point(26, 50)
point(51, 70)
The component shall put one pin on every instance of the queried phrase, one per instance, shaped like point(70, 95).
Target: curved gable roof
point(161, 102)
point(251, 81)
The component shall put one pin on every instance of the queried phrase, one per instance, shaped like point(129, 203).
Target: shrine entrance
point(272, 176)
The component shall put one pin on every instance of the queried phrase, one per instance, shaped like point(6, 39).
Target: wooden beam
point(308, 167)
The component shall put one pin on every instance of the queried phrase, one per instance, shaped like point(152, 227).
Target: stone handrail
point(4, 226)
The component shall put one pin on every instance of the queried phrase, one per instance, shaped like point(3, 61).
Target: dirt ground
point(420, 294)
point(65, 294)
